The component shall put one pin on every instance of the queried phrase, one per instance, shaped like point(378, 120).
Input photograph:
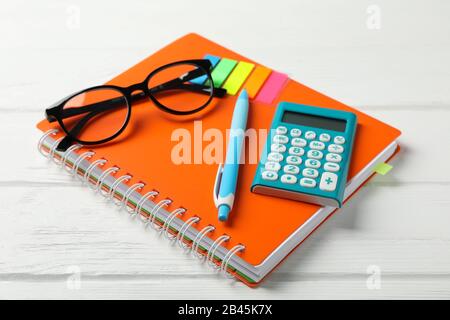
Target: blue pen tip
point(244, 94)
point(224, 210)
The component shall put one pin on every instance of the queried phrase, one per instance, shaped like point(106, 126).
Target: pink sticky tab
point(272, 87)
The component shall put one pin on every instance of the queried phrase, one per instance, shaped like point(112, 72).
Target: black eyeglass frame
point(56, 111)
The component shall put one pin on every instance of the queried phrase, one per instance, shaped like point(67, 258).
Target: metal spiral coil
point(227, 258)
point(151, 218)
point(189, 222)
point(53, 150)
point(196, 243)
point(88, 173)
point(137, 210)
point(71, 149)
point(100, 181)
point(76, 165)
point(52, 132)
point(126, 196)
point(112, 189)
point(212, 250)
point(168, 222)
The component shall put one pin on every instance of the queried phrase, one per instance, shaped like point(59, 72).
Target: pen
point(227, 175)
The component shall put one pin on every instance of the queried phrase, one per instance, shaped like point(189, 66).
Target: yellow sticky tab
point(256, 80)
point(237, 77)
point(383, 168)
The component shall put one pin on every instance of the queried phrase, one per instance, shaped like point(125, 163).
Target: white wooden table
point(58, 240)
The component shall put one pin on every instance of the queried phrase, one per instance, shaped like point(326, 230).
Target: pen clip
point(216, 189)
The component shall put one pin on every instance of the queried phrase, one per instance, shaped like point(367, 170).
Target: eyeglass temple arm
point(67, 141)
point(98, 106)
point(181, 81)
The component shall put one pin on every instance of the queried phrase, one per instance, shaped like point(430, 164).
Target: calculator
point(307, 154)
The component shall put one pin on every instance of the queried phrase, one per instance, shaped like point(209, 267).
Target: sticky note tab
point(383, 168)
point(214, 61)
point(256, 80)
point(222, 70)
point(237, 77)
point(272, 87)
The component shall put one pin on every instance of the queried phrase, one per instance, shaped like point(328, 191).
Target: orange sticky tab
point(256, 80)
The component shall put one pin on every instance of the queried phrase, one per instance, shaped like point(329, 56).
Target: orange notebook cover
point(259, 222)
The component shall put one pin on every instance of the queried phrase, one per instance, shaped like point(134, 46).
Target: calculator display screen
point(309, 120)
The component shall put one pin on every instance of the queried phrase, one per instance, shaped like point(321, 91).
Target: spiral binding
point(212, 251)
point(53, 150)
point(180, 236)
point(112, 190)
point(152, 216)
point(168, 222)
point(42, 139)
point(71, 149)
point(76, 164)
point(88, 172)
point(126, 197)
point(100, 181)
point(138, 209)
point(227, 258)
point(198, 239)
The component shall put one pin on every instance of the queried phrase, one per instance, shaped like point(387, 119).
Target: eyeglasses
point(99, 114)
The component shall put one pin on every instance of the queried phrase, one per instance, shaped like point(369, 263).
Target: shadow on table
point(346, 218)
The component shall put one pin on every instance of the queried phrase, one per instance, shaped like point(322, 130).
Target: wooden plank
point(215, 287)
point(48, 231)
point(401, 63)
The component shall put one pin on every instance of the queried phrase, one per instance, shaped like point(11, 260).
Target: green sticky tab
point(222, 70)
point(237, 77)
point(383, 168)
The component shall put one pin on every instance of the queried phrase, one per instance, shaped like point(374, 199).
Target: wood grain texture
point(53, 230)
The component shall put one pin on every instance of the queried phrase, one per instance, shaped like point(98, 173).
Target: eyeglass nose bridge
point(135, 87)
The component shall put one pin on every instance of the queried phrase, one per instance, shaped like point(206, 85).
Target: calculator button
point(272, 166)
point(289, 168)
point(307, 182)
point(339, 140)
point(312, 163)
point(310, 173)
point(330, 166)
point(315, 154)
point(317, 145)
point(281, 130)
point(310, 135)
point(333, 157)
point(296, 132)
point(275, 156)
point(296, 151)
point(335, 148)
point(298, 142)
point(276, 147)
point(324, 137)
point(288, 178)
point(280, 139)
point(293, 160)
point(269, 175)
point(328, 181)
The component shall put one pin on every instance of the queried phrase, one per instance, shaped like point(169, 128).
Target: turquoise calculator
point(307, 154)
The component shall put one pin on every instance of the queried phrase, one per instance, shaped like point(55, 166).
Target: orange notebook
point(269, 228)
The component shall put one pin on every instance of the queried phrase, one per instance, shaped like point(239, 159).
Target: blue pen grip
point(231, 167)
point(235, 145)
